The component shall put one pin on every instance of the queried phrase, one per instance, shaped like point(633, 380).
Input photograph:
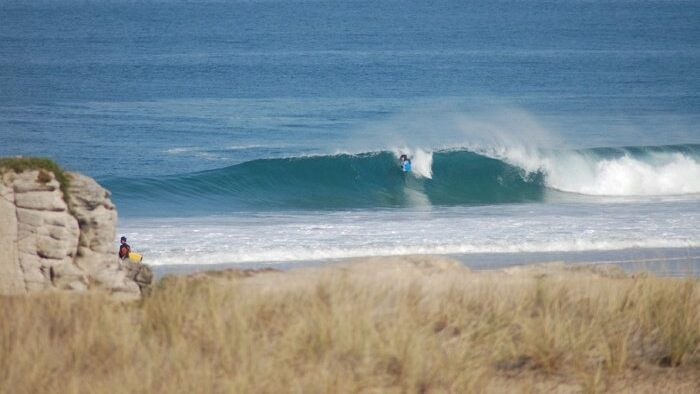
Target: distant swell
point(457, 177)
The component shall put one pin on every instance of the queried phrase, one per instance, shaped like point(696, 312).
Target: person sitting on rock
point(124, 249)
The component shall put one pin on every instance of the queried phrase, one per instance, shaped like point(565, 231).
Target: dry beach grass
point(412, 324)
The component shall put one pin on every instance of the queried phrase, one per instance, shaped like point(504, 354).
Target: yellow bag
point(135, 257)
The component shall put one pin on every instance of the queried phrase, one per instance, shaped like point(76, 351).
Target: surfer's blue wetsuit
point(405, 163)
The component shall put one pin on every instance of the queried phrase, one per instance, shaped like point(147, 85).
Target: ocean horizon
point(269, 132)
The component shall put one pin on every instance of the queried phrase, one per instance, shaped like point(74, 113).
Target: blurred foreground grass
point(404, 326)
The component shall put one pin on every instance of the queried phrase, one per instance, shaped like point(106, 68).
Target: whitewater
point(312, 235)
point(268, 132)
point(501, 200)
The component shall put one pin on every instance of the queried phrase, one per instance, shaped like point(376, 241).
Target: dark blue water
point(130, 51)
point(108, 87)
point(193, 109)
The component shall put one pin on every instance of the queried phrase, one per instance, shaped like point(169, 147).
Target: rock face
point(45, 244)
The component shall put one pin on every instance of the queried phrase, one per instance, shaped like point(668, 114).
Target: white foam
point(421, 161)
point(290, 254)
point(177, 151)
point(279, 237)
point(656, 174)
point(422, 164)
point(517, 137)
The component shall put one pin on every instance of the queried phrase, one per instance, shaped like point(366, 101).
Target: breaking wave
point(473, 175)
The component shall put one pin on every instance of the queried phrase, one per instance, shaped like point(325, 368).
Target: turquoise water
point(449, 178)
point(251, 131)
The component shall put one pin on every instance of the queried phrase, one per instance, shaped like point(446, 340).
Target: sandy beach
point(669, 262)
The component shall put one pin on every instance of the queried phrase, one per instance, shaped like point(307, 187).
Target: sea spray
point(443, 125)
point(421, 161)
point(613, 172)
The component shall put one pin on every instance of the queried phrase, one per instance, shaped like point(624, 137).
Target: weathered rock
point(51, 248)
point(116, 280)
point(34, 271)
point(11, 275)
point(41, 200)
point(96, 214)
point(30, 217)
point(91, 195)
point(29, 181)
point(66, 275)
point(45, 245)
point(139, 273)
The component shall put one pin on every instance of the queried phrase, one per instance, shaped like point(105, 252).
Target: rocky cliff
point(47, 243)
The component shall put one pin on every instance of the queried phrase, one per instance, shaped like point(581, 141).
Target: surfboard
point(135, 257)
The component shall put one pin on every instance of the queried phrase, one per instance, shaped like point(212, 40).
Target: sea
point(268, 132)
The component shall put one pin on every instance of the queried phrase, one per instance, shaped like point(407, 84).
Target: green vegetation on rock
point(21, 164)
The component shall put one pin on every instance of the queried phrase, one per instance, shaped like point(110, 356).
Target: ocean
point(268, 131)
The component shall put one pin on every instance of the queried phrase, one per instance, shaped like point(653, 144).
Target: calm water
point(251, 131)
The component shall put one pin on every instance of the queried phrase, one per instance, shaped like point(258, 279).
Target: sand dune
point(400, 324)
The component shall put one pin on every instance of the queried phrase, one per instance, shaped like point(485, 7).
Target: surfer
point(405, 163)
point(124, 249)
